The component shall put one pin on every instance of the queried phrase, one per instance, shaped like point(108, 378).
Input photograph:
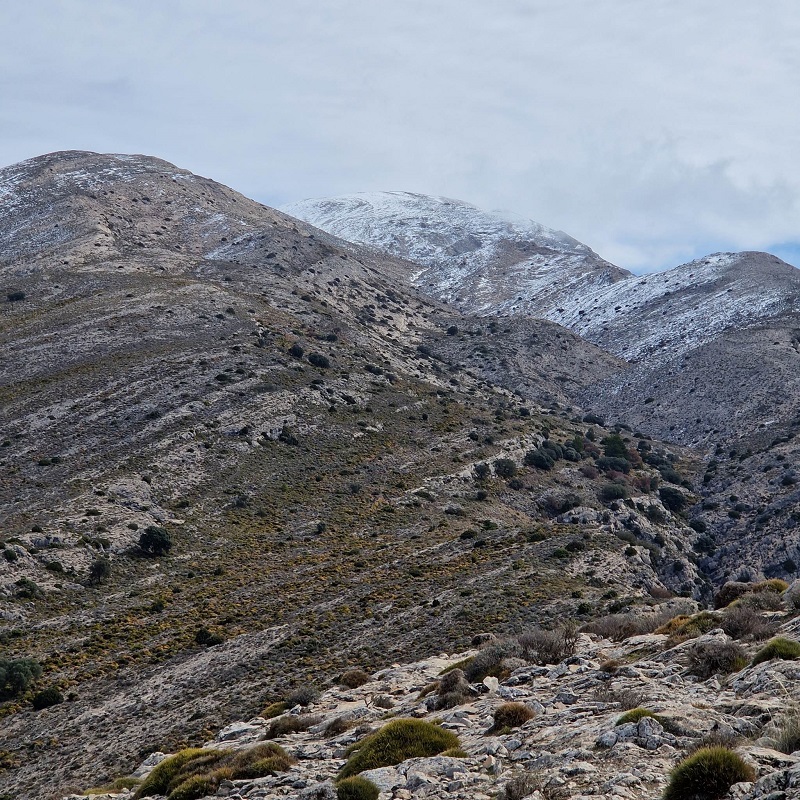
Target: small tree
point(17, 675)
point(614, 447)
point(155, 541)
point(99, 571)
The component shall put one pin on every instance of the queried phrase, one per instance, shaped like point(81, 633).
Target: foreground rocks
point(571, 748)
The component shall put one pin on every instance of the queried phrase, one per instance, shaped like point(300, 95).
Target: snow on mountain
point(488, 263)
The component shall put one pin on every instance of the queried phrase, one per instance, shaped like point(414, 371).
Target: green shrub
point(635, 714)
point(510, 715)
point(159, 780)
point(155, 541)
point(614, 446)
point(779, 647)
point(397, 741)
point(195, 773)
point(17, 675)
point(540, 458)
point(357, 788)
point(354, 678)
point(319, 360)
point(614, 491)
point(207, 638)
point(707, 775)
point(50, 696)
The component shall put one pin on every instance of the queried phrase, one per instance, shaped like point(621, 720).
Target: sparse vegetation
point(779, 647)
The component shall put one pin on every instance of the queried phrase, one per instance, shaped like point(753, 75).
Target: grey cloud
point(648, 130)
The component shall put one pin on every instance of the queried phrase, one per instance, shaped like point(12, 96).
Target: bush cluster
point(195, 773)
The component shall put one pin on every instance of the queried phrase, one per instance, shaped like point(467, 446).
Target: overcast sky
point(653, 131)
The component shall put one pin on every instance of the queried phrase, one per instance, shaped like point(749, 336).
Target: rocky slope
point(577, 743)
point(719, 333)
point(325, 454)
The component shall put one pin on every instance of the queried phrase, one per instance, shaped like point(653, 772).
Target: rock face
point(577, 744)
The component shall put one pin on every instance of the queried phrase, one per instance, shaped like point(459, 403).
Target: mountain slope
point(300, 422)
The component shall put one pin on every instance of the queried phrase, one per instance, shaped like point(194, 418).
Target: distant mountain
point(491, 264)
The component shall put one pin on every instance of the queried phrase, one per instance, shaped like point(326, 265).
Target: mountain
point(739, 312)
point(339, 470)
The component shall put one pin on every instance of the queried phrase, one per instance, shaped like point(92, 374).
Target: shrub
point(540, 459)
point(548, 647)
point(15, 297)
point(395, 742)
point(453, 690)
point(608, 463)
point(635, 714)
point(685, 627)
point(614, 491)
point(303, 696)
point(510, 715)
point(707, 775)
point(50, 696)
point(155, 541)
point(319, 360)
point(787, 739)
point(296, 351)
point(522, 785)
point(195, 773)
point(505, 468)
point(740, 621)
point(614, 446)
point(710, 658)
point(779, 647)
point(291, 723)
point(766, 600)
point(99, 571)
point(672, 499)
point(357, 788)
point(275, 710)
point(482, 471)
point(730, 591)
point(17, 675)
point(354, 678)
point(622, 626)
point(206, 637)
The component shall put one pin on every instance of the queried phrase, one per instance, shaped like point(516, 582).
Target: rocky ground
point(572, 747)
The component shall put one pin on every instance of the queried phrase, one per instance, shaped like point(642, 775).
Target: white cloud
point(652, 131)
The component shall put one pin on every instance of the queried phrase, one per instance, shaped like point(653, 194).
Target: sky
point(655, 132)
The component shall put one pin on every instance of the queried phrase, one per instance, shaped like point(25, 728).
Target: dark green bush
point(208, 638)
point(296, 351)
point(614, 491)
point(356, 788)
point(50, 696)
point(779, 647)
point(319, 360)
point(15, 297)
point(155, 541)
point(99, 571)
point(614, 464)
point(708, 774)
point(672, 499)
point(614, 446)
point(505, 468)
point(395, 742)
point(541, 459)
point(17, 675)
